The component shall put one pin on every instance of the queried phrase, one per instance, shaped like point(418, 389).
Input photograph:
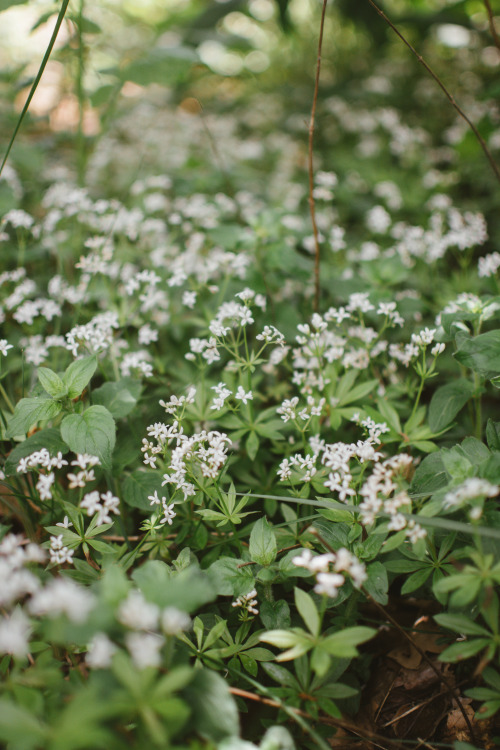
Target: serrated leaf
point(52, 383)
point(119, 398)
point(30, 411)
point(78, 375)
point(92, 432)
point(262, 548)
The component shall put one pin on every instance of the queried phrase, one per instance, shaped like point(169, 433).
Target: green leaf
point(358, 392)
point(186, 589)
point(4, 4)
point(50, 438)
point(343, 643)
point(307, 610)
point(447, 401)
point(229, 579)
point(29, 411)
point(493, 435)
point(429, 476)
point(275, 615)
point(52, 383)
point(280, 675)
point(263, 548)
point(92, 432)
point(252, 445)
point(460, 624)
point(416, 580)
point(19, 727)
point(164, 65)
point(214, 710)
point(296, 641)
point(78, 375)
point(377, 583)
point(464, 650)
point(481, 353)
point(390, 415)
point(119, 398)
point(139, 485)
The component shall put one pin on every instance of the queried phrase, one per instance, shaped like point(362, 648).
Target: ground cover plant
point(250, 462)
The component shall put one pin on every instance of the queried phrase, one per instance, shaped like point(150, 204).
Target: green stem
point(38, 77)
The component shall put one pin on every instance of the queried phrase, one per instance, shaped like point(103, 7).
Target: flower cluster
point(247, 603)
point(383, 492)
point(100, 505)
point(329, 567)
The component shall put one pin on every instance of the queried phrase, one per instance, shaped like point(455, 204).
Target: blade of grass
point(38, 77)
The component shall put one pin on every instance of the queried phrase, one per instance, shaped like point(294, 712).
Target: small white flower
point(242, 396)
point(100, 652)
point(4, 347)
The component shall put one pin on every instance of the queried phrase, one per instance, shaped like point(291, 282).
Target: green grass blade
point(34, 87)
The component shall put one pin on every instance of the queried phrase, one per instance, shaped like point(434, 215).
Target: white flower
point(242, 396)
point(144, 648)
point(4, 347)
point(137, 613)
point(14, 633)
point(174, 621)
point(100, 652)
point(329, 584)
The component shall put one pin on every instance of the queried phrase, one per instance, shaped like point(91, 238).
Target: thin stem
point(443, 88)
point(312, 207)
point(34, 86)
point(491, 22)
point(81, 97)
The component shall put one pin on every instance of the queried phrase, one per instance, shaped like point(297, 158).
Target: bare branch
point(443, 88)
point(312, 207)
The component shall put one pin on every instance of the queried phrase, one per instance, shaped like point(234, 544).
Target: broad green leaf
point(139, 486)
point(52, 383)
point(30, 411)
point(307, 610)
point(186, 589)
point(78, 375)
point(50, 438)
point(92, 432)
point(119, 398)
point(263, 546)
point(429, 476)
point(214, 711)
point(481, 353)
point(447, 401)
point(275, 615)
point(493, 435)
point(230, 577)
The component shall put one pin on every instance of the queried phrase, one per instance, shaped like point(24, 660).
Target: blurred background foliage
point(255, 59)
